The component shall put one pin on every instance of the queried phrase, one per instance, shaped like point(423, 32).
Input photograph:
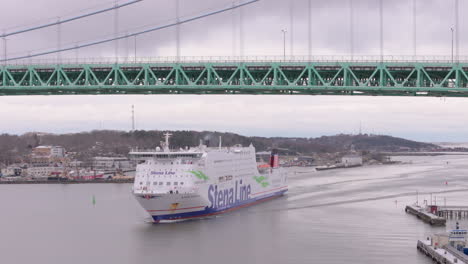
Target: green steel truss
point(306, 78)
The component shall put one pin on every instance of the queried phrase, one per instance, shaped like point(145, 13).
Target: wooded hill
point(14, 148)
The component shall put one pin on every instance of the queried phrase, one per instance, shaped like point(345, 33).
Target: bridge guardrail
point(246, 59)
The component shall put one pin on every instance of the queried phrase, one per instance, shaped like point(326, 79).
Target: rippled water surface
point(337, 216)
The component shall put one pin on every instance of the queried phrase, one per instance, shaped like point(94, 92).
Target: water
point(337, 216)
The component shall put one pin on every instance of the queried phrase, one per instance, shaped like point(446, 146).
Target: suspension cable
point(132, 34)
point(63, 21)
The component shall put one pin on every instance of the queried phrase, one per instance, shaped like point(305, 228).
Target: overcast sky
point(427, 119)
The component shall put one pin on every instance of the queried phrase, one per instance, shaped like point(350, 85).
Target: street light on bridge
point(451, 29)
point(284, 43)
point(135, 48)
point(4, 50)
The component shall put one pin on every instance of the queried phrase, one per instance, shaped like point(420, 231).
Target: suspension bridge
point(310, 75)
point(240, 77)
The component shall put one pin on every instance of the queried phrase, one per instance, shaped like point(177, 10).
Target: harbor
point(359, 205)
point(53, 164)
point(366, 190)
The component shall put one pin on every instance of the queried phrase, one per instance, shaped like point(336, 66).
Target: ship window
point(161, 183)
point(141, 183)
point(176, 183)
point(155, 183)
point(168, 183)
point(181, 183)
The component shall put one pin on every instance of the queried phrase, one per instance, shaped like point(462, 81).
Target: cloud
point(429, 119)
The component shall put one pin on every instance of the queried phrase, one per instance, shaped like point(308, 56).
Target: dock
point(452, 212)
point(430, 218)
point(445, 254)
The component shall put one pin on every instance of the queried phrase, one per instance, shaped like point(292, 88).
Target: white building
point(12, 171)
point(75, 163)
point(44, 172)
point(351, 160)
point(49, 151)
point(111, 163)
point(57, 151)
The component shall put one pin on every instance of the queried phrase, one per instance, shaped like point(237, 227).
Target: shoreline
point(424, 153)
point(65, 182)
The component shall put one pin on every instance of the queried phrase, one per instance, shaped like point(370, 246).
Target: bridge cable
point(381, 30)
point(457, 30)
point(241, 32)
point(4, 50)
point(69, 19)
point(116, 31)
point(177, 8)
point(351, 29)
point(414, 30)
point(291, 28)
point(134, 34)
point(234, 40)
point(309, 26)
point(59, 39)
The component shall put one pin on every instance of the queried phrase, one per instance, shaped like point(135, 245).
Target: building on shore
point(47, 161)
point(112, 163)
point(49, 151)
point(12, 171)
point(43, 156)
point(351, 160)
point(45, 171)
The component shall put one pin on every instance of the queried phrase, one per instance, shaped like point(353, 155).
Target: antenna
point(133, 118)
point(167, 135)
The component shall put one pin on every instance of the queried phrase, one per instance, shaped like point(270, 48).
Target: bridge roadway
point(389, 78)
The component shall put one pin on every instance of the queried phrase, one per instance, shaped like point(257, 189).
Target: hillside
point(95, 143)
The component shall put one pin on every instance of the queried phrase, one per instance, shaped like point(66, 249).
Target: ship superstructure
point(203, 181)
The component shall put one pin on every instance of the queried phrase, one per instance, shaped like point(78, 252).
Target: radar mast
point(167, 135)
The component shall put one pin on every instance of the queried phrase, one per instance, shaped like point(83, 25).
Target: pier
point(452, 212)
point(428, 217)
point(445, 254)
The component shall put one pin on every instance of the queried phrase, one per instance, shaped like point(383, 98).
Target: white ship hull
point(203, 182)
point(185, 206)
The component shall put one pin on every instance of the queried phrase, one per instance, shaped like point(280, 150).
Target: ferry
point(173, 185)
point(458, 239)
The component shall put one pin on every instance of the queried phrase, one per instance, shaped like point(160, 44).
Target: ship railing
point(138, 150)
point(144, 150)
